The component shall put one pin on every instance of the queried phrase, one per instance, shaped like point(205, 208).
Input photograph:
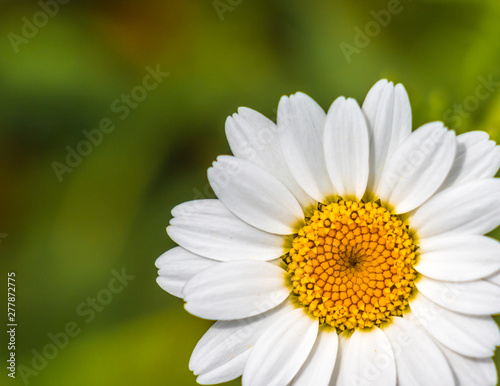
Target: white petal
point(388, 113)
point(226, 372)
point(281, 350)
point(473, 208)
point(177, 266)
point(495, 279)
point(478, 297)
point(471, 371)
point(253, 137)
point(228, 339)
point(209, 229)
point(301, 124)
point(254, 195)
point(343, 341)
point(474, 336)
point(477, 157)
point(318, 368)
point(418, 167)
point(347, 148)
point(368, 359)
point(418, 360)
point(235, 290)
point(458, 257)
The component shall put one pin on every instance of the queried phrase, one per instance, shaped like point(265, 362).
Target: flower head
point(343, 248)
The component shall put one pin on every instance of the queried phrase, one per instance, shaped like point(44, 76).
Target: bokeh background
point(64, 236)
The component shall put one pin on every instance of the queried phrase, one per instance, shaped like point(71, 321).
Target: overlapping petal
point(177, 266)
point(368, 359)
point(477, 158)
point(343, 342)
point(254, 195)
point(301, 123)
point(227, 341)
point(235, 290)
point(471, 371)
point(479, 297)
point(495, 278)
point(226, 372)
point(318, 368)
point(209, 229)
point(458, 257)
point(388, 113)
point(281, 351)
point(469, 208)
point(418, 167)
point(473, 336)
point(255, 138)
point(347, 147)
point(415, 354)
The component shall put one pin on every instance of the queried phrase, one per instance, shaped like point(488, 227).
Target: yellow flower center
point(351, 265)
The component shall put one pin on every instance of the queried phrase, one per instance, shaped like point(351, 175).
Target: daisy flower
point(343, 249)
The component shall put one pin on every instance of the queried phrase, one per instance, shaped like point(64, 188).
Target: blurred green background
point(63, 236)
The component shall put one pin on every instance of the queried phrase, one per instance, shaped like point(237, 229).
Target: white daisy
point(343, 249)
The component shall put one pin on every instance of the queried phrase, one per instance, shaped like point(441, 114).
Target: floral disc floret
point(351, 265)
